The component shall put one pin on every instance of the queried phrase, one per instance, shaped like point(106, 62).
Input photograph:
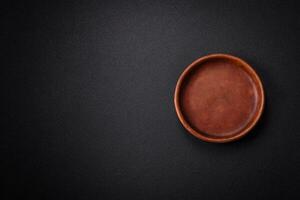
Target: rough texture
point(89, 110)
point(219, 98)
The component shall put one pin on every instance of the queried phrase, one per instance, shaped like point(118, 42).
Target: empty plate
point(219, 98)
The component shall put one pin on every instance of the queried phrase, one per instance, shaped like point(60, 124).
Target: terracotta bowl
point(219, 98)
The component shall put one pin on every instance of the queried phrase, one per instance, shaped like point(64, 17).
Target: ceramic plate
point(219, 98)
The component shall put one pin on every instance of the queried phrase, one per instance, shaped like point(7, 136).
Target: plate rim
point(200, 135)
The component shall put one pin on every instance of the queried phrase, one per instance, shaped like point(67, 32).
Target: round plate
point(219, 98)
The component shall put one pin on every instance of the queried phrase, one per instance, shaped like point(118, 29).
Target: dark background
point(88, 90)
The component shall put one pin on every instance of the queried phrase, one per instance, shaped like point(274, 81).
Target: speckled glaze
point(219, 98)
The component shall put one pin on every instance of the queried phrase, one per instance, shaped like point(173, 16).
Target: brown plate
point(219, 98)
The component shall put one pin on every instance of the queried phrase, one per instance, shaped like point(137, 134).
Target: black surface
point(89, 100)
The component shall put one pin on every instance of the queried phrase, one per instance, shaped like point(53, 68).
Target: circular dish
point(219, 98)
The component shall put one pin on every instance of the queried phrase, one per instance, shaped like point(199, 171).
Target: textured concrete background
point(88, 90)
